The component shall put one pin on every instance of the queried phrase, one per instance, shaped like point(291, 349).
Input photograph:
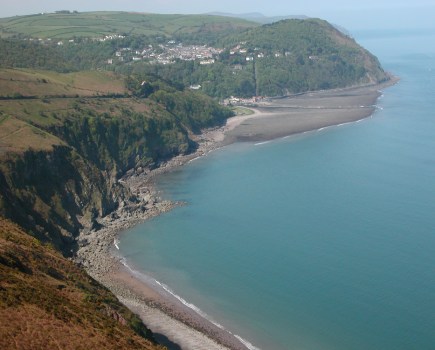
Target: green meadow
point(99, 24)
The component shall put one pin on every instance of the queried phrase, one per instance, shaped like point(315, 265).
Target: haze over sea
point(324, 240)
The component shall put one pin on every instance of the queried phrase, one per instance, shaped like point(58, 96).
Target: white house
point(211, 61)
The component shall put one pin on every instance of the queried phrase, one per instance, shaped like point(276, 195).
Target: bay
point(324, 240)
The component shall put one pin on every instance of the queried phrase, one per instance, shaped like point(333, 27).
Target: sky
point(353, 15)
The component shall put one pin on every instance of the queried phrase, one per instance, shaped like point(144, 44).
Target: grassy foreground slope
point(100, 24)
point(47, 302)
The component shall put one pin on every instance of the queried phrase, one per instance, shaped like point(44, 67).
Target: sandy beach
point(175, 322)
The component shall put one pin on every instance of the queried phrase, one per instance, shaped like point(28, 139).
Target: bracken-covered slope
point(47, 302)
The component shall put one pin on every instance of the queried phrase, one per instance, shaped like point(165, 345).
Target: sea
point(322, 240)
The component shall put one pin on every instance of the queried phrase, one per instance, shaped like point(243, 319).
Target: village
point(168, 53)
point(171, 51)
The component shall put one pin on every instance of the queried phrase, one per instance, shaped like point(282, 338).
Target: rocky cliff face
point(54, 194)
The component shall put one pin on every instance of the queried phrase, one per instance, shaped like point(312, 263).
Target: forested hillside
point(63, 146)
point(300, 55)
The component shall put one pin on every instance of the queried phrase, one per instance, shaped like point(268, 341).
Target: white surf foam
point(191, 306)
point(116, 243)
point(246, 343)
point(193, 159)
point(261, 143)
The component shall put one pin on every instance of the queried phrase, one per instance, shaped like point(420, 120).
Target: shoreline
point(175, 322)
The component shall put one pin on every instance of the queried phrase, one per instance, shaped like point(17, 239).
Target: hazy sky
point(349, 13)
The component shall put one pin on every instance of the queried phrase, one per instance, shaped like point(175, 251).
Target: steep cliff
point(53, 194)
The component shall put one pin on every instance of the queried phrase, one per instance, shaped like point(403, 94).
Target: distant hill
point(281, 58)
point(301, 55)
point(260, 18)
point(257, 17)
point(99, 24)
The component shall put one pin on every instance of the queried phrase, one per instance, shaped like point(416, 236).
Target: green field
point(28, 82)
point(35, 99)
point(242, 110)
point(99, 24)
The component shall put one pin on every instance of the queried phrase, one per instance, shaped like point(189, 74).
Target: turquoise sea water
point(324, 240)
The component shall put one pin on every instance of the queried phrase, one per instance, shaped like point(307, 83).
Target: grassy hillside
point(48, 302)
point(31, 102)
point(18, 136)
point(27, 82)
point(100, 24)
